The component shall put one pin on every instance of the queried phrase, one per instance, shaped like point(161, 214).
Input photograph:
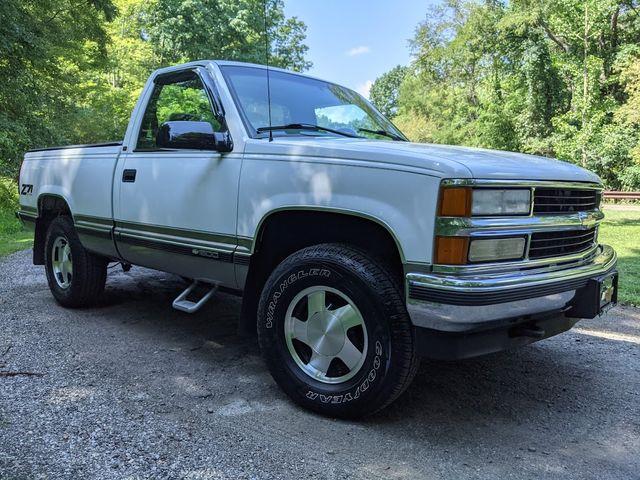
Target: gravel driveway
point(134, 389)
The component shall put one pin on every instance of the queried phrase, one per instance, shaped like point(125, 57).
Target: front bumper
point(443, 307)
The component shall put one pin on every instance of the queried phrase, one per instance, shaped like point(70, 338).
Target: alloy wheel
point(62, 263)
point(326, 334)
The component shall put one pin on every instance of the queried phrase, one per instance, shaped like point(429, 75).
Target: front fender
point(402, 202)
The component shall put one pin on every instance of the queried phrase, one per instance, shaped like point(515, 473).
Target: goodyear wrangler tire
point(335, 333)
point(76, 277)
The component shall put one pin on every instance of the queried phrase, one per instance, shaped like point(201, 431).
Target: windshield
point(305, 101)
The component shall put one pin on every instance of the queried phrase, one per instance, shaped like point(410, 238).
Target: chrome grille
point(564, 200)
point(559, 243)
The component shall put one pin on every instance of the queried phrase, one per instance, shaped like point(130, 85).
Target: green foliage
point(71, 70)
point(556, 78)
point(13, 236)
point(177, 98)
point(41, 42)
point(384, 91)
point(628, 114)
point(8, 194)
point(183, 30)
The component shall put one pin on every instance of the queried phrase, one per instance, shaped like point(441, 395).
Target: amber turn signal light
point(455, 202)
point(451, 250)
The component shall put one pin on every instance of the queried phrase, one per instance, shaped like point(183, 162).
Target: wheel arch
point(50, 206)
point(332, 210)
point(334, 226)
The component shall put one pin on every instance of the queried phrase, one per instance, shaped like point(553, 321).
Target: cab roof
point(222, 63)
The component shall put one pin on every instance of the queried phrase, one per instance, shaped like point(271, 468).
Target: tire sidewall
point(368, 384)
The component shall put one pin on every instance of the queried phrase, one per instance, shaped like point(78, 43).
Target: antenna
point(266, 51)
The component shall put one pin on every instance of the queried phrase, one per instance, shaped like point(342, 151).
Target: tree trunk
point(585, 80)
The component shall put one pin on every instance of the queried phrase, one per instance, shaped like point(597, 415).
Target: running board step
point(181, 303)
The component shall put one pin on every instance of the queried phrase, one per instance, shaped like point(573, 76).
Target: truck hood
point(445, 161)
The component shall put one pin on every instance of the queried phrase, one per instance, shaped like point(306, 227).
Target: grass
point(621, 230)
point(13, 237)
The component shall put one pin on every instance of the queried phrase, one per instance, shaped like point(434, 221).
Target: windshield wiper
point(384, 133)
point(305, 126)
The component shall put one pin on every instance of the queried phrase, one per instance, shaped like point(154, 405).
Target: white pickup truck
point(354, 250)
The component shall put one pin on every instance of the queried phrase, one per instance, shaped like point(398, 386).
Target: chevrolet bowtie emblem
point(585, 218)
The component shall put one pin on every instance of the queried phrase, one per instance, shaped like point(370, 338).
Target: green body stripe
point(178, 232)
point(28, 209)
point(180, 241)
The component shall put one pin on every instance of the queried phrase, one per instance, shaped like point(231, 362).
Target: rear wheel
point(76, 277)
point(335, 333)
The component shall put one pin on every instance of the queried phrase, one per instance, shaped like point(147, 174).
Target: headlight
point(467, 202)
point(491, 249)
point(459, 248)
point(500, 202)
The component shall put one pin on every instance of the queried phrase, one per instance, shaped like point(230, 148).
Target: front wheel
point(76, 277)
point(335, 333)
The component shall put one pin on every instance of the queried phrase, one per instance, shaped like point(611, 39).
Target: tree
point(385, 90)
point(627, 117)
point(226, 29)
point(550, 77)
point(105, 96)
point(42, 44)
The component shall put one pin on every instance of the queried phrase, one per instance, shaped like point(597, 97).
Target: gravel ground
point(134, 389)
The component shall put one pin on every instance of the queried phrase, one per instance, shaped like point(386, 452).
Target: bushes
point(9, 224)
point(8, 194)
point(13, 236)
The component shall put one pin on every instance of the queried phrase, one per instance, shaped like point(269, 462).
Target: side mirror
point(192, 135)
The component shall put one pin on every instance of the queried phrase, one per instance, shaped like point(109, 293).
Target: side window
point(183, 99)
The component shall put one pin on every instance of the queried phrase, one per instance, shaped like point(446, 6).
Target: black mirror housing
point(223, 141)
point(192, 135)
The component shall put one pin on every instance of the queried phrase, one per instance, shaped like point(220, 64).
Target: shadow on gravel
point(143, 302)
point(547, 387)
point(218, 321)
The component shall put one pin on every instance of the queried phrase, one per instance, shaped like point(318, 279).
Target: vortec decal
point(205, 253)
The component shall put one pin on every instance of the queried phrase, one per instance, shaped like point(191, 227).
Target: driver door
point(175, 208)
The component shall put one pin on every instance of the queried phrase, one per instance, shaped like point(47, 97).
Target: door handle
point(129, 176)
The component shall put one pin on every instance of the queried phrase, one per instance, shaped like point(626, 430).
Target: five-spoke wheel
point(326, 334)
point(61, 262)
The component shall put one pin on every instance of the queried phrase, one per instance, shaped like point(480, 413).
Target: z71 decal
point(26, 189)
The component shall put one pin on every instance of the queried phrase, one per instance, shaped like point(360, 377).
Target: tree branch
point(558, 40)
point(614, 28)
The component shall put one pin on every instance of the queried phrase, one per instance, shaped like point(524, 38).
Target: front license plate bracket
point(598, 296)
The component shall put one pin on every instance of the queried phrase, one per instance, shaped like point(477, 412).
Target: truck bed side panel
point(83, 177)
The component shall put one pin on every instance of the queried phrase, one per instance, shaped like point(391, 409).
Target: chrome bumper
point(460, 303)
